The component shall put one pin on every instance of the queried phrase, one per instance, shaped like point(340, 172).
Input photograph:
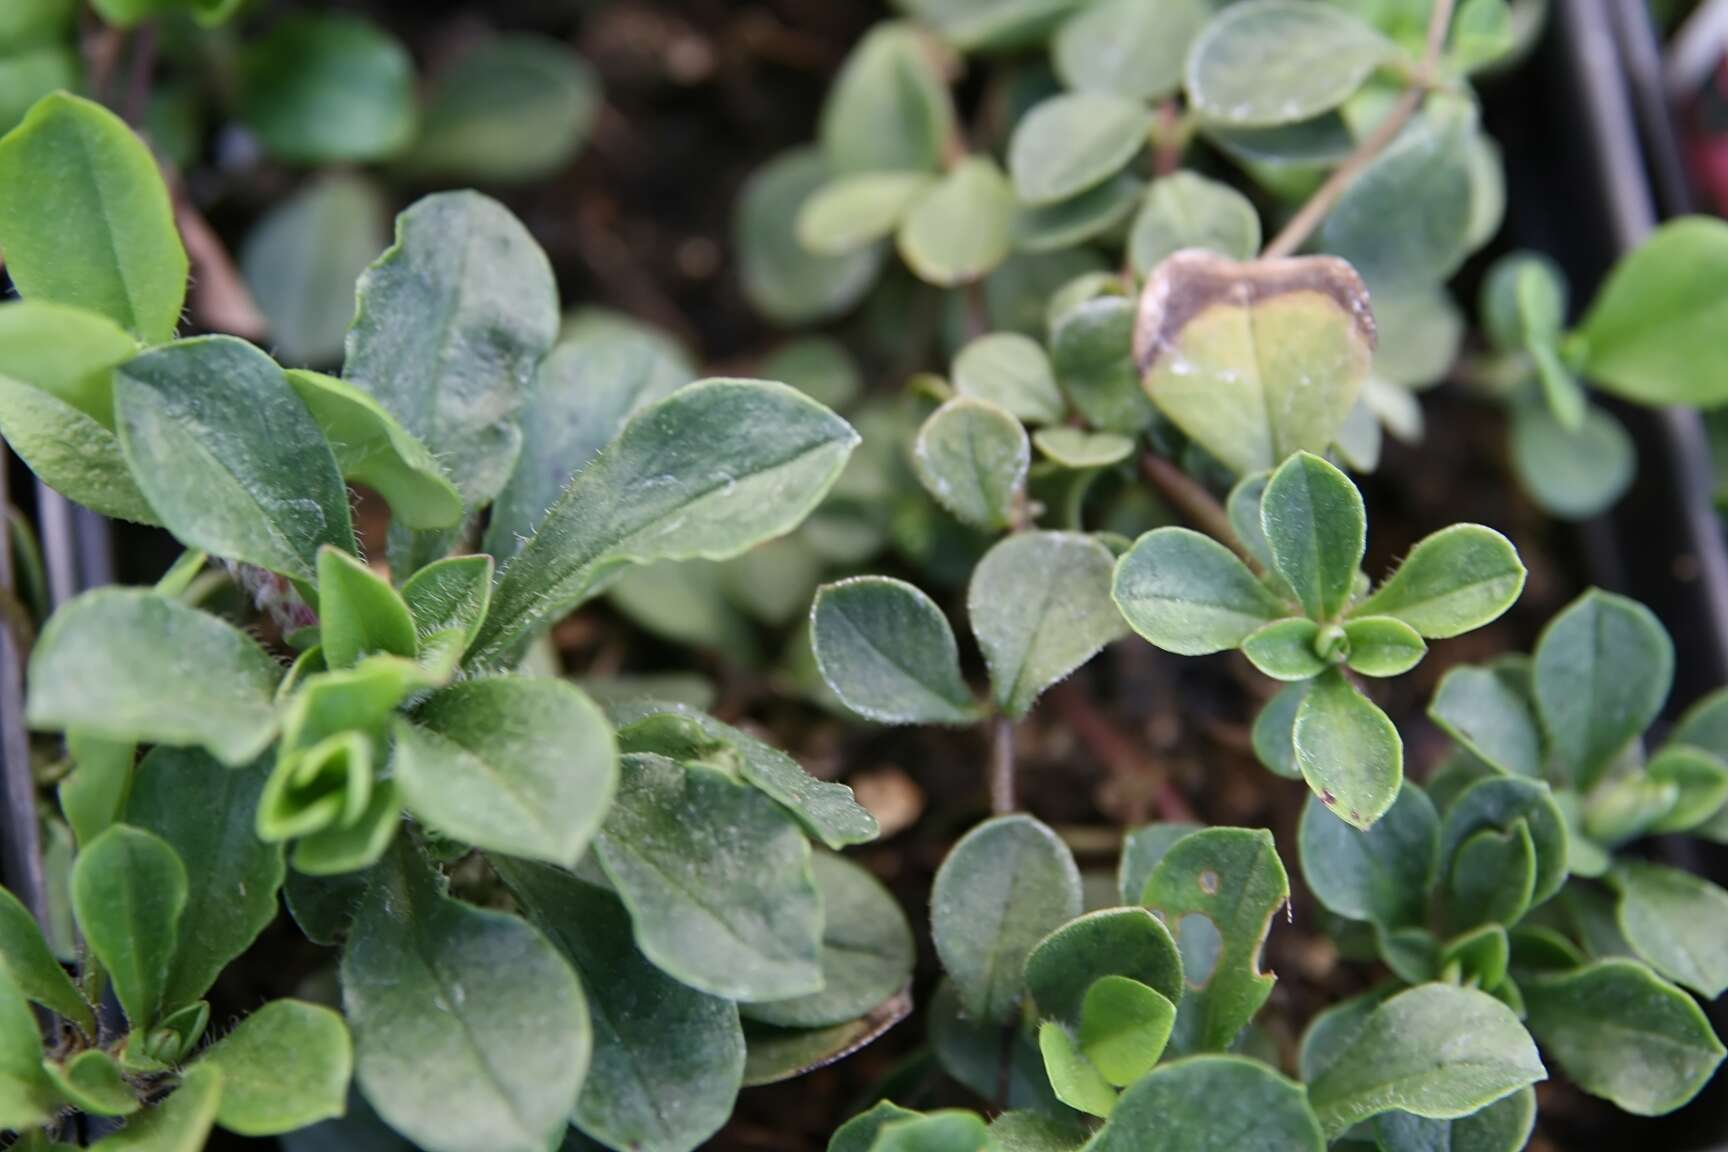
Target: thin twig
point(1302, 225)
point(143, 67)
point(1002, 765)
point(1111, 747)
point(1196, 505)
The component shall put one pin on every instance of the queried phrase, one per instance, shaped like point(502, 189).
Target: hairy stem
point(1302, 225)
point(1196, 505)
point(1002, 765)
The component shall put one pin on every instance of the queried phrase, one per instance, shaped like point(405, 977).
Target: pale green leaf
point(1186, 210)
point(889, 107)
point(1676, 922)
point(1381, 874)
point(1349, 751)
point(1070, 143)
point(888, 653)
point(1189, 594)
point(1271, 62)
point(1485, 713)
point(972, 457)
point(782, 279)
point(1452, 581)
point(1127, 47)
point(285, 1066)
point(1013, 372)
point(963, 228)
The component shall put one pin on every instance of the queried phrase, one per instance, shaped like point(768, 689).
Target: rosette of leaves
point(1642, 339)
point(1295, 601)
point(660, 862)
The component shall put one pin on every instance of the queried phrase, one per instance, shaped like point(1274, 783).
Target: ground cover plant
point(1109, 408)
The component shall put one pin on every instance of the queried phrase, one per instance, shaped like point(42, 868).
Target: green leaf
point(449, 325)
point(950, 1130)
point(769, 456)
point(1485, 713)
point(1572, 474)
point(1316, 528)
point(1700, 780)
point(372, 449)
point(859, 1133)
point(1124, 1026)
point(1622, 1033)
point(1257, 360)
point(286, 1066)
point(85, 218)
point(1381, 874)
point(961, 229)
point(1088, 216)
point(450, 1055)
point(889, 108)
point(1128, 48)
point(717, 879)
point(359, 613)
point(1404, 221)
point(1142, 849)
point(301, 260)
point(1003, 887)
point(1078, 449)
point(827, 810)
point(667, 1059)
point(57, 403)
point(774, 1054)
point(1274, 734)
point(204, 812)
point(93, 1083)
point(782, 279)
point(1028, 1131)
point(209, 683)
point(1040, 606)
point(1271, 62)
point(1074, 1079)
point(1188, 594)
point(1382, 646)
point(1072, 142)
point(518, 765)
point(1287, 649)
point(991, 25)
point(867, 951)
point(328, 88)
point(1491, 878)
point(128, 891)
point(1503, 1126)
point(125, 13)
point(1091, 349)
point(820, 367)
point(1648, 332)
point(181, 1123)
point(450, 595)
point(1348, 750)
point(1602, 670)
point(587, 388)
point(1212, 1104)
point(28, 1097)
point(514, 108)
point(1013, 372)
point(1127, 942)
point(36, 973)
point(972, 457)
point(1185, 210)
point(1676, 923)
point(228, 456)
point(1452, 581)
point(1500, 803)
point(1436, 1051)
point(971, 1051)
point(887, 652)
point(854, 212)
point(94, 795)
point(1218, 890)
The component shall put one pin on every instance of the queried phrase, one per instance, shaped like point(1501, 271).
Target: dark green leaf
point(128, 891)
point(1676, 922)
point(92, 1081)
point(326, 88)
point(1381, 874)
point(1481, 710)
point(1316, 529)
point(1091, 349)
point(1492, 877)
point(887, 651)
point(1501, 802)
point(1142, 849)
point(1503, 1126)
point(1127, 942)
point(1189, 594)
point(285, 1066)
point(776, 1054)
point(1212, 1104)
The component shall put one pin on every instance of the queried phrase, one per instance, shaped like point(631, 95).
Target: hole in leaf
point(1198, 940)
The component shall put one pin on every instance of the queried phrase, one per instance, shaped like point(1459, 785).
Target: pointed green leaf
point(285, 1066)
point(359, 613)
point(37, 974)
point(128, 891)
point(85, 218)
point(1700, 781)
point(1072, 142)
point(1273, 62)
point(1381, 874)
point(450, 595)
point(1349, 751)
point(1404, 221)
point(1188, 594)
point(1491, 878)
point(28, 1097)
point(1676, 922)
point(887, 651)
point(1004, 886)
point(1481, 710)
point(1453, 581)
point(961, 229)
point(1212, 1104)
point(181, 1123)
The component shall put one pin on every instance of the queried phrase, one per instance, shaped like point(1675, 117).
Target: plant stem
point(143, 65)
point(1113, 748)
point(1302, 225)
point(1002, 765)
point(1196, 505)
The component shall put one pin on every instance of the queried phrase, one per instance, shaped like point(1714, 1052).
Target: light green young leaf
point(1676, 922)
point(514, 108)
point(1572, 474)
point(717, 879)
point(1381, 874)
point(1091, 349)
point(1621, 1032)
point(1074, 1078)
point(1081, 450)
point(181, 1123)
point(889, 108)
point(449, 325)
point(1124, 1026)
point(667, 1059)
point(360, 615)
point(1500, 803)
point(1040, 606)
point(961, 229)
point(1700, 781)
point(34, 969)
point(1072, 142)
point(128, 891)
point(887, 651)
point(28, 1097)
point(302, 258)
point(1185, 210)
point(1382, 646)
point(1127, 942)
point(85, 218)
point(94, 795)
point(1013, 372)
point(228, 456)
point(1503, 1126)
point(450, 595)
point(1348, 750)
point(1648, 333)
point(1485, 713)
point(1217, 891)
point(768, 456)
point(328, 88)
point(285, 1066)
point(856, 211)
point(1025, 1130)
point(1005, 885)
point(1212, 1104)
point(1087, 216)
point(1188, 594)
point(1128, 48)
point(92, 1082)
point(1254, 360)
point(1287, 649)
point(972, 457)
point(1602, 670)
point(450, 1055)
point(209, 683)
point(782, 279)
point(950, 1130)
point(1271, 62)
point(1436, 1051)
point(1453, 581)
point(518, 765)
point(204, 812)
point(342, 847)
point(859, 1133)
point(1316, 528)
point(373, 449)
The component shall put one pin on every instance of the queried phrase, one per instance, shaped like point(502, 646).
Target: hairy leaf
point(887, 652)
